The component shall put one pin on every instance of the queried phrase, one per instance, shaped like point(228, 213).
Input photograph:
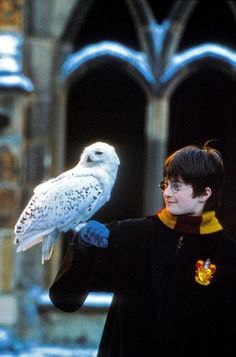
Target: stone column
point(156, 131)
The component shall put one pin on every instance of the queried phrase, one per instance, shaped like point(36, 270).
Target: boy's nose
point(168, 191)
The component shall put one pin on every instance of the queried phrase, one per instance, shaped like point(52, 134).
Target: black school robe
point(158, 309)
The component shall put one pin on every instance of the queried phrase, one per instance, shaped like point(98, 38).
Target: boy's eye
point(176, 186)
point(163, 185)
point(98, 153)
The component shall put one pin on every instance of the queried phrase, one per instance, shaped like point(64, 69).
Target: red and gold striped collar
point(204, 224)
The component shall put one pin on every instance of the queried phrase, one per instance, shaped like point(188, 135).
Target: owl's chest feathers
point(104, 178)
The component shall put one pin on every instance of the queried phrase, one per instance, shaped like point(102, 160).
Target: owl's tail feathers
point(48, 244)
point(28, 240)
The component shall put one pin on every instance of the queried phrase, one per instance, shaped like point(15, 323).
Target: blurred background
point(147, 77)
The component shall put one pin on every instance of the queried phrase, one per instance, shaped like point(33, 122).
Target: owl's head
point(99, 153)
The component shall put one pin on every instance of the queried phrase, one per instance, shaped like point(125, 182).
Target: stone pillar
point(156, 131)
point(10, 163)
point(11, 109)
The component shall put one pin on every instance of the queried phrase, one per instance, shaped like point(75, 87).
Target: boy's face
point(178, 198)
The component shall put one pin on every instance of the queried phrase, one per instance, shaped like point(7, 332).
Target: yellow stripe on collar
point(204, 224)
point(210, 223)
point(167, 218)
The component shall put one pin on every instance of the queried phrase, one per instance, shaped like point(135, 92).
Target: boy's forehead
point(175, 178)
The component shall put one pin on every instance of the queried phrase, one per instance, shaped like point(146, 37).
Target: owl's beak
point(89, 159)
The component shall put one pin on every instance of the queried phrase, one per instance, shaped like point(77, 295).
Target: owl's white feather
point(64, 202)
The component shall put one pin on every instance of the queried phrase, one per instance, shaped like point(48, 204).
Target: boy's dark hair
point(200, 167)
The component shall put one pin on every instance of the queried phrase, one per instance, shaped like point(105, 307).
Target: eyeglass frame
point(165, 183)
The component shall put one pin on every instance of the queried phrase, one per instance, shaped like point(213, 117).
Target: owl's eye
point(98, 153)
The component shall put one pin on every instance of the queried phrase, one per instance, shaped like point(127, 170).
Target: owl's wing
point(62, 207)
point(52, 183)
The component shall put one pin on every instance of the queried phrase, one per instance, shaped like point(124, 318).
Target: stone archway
point(103, 117)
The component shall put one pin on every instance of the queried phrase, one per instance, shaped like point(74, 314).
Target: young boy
point(173, 275)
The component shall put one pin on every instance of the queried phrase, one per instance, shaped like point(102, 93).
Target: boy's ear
point(205, 194)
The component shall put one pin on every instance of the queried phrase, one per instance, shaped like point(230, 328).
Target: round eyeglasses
point(175, 186)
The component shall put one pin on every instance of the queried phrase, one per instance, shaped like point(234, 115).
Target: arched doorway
point(107, 105)
point(207, 111)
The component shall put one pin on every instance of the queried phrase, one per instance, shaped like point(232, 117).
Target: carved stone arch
point(79, 63)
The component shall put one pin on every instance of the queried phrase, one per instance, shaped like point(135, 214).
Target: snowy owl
point(65, 202)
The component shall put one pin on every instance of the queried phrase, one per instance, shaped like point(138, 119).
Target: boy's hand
point(95, 233)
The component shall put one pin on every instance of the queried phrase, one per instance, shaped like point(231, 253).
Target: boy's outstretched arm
point(85, 267)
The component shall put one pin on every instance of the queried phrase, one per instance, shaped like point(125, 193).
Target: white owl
point(64, 202)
